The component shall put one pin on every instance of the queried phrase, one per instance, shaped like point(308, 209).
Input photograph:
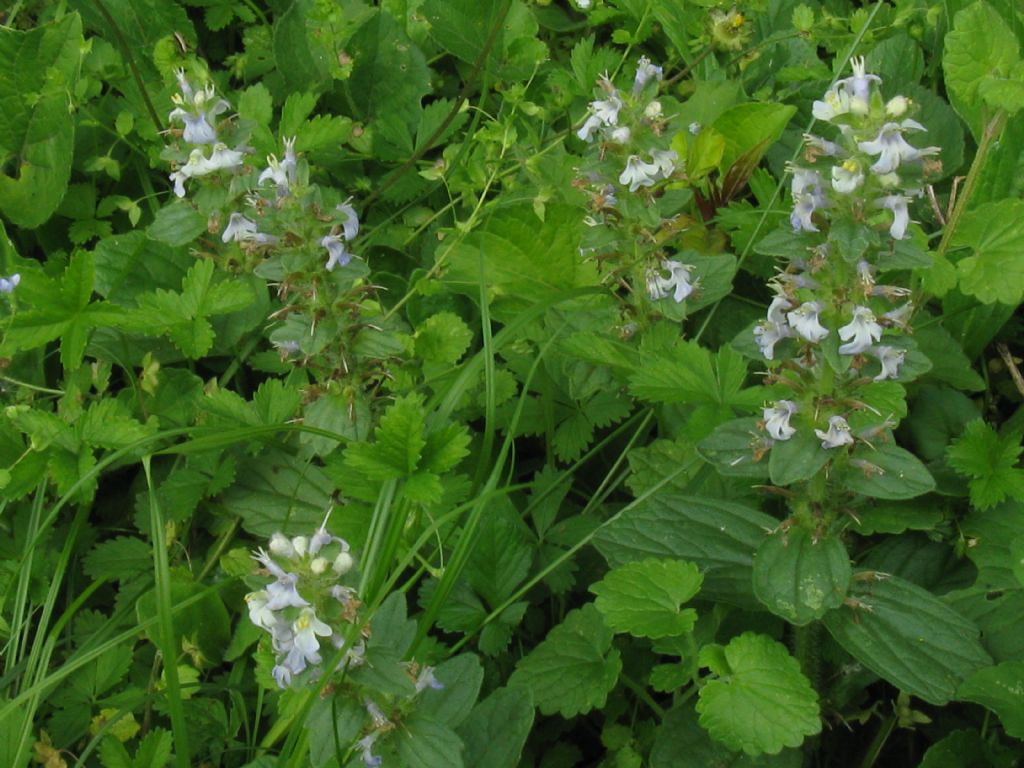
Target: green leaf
point(61, 309)
point(797, 459)
point(908, 636)
point(1005, 93)
point(760, 701)
point(301, 61)
point(799, 576)
point(123, 558)
point(398, 443)
point(689, 373)
point(720, 537)
point(960, 749)
point(1001, 689)
point(520, 259)
point(38, 75)
point(461, 677)
point(255, 103)
point(574, 668)
point(737, 449)
point(995, 270)
point(390, 76)
point(297, 107)
point(645, 598)
point(991, 535)
point(751, 128)
point(980, 45)
point(886, 472)
point(127, 265)
point(949, 363)
point(331, 717)
point(496, 730)
point(183, 316)
point(443, 338)
point(177, 224)
point(990, 461)
point(426, 743)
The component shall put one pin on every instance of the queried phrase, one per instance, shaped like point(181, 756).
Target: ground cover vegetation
point(501, 383)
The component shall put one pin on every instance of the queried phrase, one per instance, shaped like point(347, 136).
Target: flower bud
point(343, 563)
point(301, 545)
point(653, 110)
point(281, 546)
point(319, 565)
point(897, 106)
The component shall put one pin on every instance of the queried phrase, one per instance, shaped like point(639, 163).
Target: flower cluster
point(198, 111)
point(306, 601)
point(840, 329)
point(627, 130)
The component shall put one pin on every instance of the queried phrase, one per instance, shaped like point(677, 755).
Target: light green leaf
point(720, 537)
point(689, 373)
point(760, 701)
point(995, 270)
point(127, 265)
point(906, 635)
point(520, 259)
point(443, 338)
point(799, 576)
point(749, 129)
point(177, 224)
point(1001, 689)
point(574, 668)
point(399, 442)
point(990, 461)
point(496, 730)
point(645, 598)
point(980, 45)
point(38, 74)
point(1005, 93)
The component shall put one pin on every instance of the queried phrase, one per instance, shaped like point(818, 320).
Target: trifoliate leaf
point(760, 701)
point(645, 598)
point(574, 668)
point(990, 461)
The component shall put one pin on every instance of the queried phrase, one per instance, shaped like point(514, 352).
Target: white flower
point(239, 228)
point(590, 125)
point(900, 214)
point(860, 332)
point(604, 112)
point(859, 86)
point(184, 85)
point(899, 315)
point(777, 310)
point(259, 613)
point(891, 359)
point(838, 433)
point(301, 544)
point(892, 148)
point(769, 334)
point(8, 284)
point(807, 198)
point(694, 128)
point(644, 72)
point(267, 562)
point(804, 320)
point(197, 165)
point(222, 158)
point(847, 177)
point(284, 593)
point(336, 253)
point(776, 419)
point(836, 103)
point(621, 135)
point(282, 676)
point(274, 172)
point(665, 161)
point(197, 128)
point(677, 285)
point(638, 173)
point(653, 110)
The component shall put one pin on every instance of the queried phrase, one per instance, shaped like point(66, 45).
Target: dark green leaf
point(799, 576)
point(496, 730)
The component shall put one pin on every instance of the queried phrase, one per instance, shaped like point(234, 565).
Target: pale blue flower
point(366, 743)
point(351, 225)
point(677, 284)
point(307, 628)
point(259, 612)
point(425, 679)
point(8, 284)
point(892, 149)
point(239, 229)
point(284, 593)
point(768, 335)
point(860, 332)
point(665, 161)
point(847, 177)
point(838, 433)
point(804, 320)
point(776, 419)
point(645, 71)
point(336, 253)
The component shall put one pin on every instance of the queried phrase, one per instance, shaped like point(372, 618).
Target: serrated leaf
point(763, 702)
point(990, 461)
point(495, 731)
point(425, 743)
point(799, 576)
point(398, 443)
point(38, 74)
point(443, 338)
point(720, 537)
point(1001, 689)
point(297, 107)
point(574, 668)
point(693, 374)
point(177, 224)
point(645, 598)
point(255, 103)
point(979, 45)
point(906, 635)
point(995, 270)
point(324, 132)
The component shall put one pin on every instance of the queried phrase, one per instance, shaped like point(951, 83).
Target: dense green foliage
point(502, 383)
